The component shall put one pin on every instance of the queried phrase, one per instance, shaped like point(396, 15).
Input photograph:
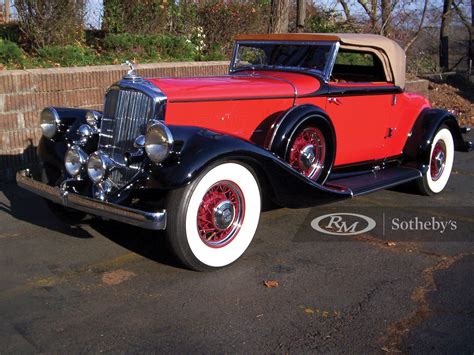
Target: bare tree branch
point(345, 8)
point(420, 27)
point(462, 16)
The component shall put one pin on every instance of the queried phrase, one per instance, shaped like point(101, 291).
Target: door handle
point(334, 100)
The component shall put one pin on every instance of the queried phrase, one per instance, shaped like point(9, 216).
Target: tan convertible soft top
point(391, 54)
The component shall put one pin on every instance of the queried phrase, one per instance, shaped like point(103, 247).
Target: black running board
point(373, 181)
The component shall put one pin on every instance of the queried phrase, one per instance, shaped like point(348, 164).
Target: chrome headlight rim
point(81, 161)
point(49, 122)
point(159, 141)
point(104, 163)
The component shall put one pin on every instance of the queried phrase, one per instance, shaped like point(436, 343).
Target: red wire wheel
point(308, 152)
point(220, 214)
point(438, 160)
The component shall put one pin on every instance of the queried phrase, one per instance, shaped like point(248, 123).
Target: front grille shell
point(129, 105)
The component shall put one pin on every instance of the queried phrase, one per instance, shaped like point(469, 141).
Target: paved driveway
point(109, 287)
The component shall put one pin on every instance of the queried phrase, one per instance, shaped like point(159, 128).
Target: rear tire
point(213, 220)
point(441, 163)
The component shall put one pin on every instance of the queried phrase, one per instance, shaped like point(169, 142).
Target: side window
point(358, 67)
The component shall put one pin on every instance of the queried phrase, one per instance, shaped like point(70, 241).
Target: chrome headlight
point(158, 141)
point(74, 160)
point(98, 166)
point(49, 121)
point(92, 118)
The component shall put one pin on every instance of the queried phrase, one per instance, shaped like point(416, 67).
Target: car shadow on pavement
point(25, 206)
point(147, 243)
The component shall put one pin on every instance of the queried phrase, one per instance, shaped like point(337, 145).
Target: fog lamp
point(98, 166)
point(74, 160)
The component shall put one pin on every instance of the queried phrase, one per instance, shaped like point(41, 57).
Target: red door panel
point(361, 124)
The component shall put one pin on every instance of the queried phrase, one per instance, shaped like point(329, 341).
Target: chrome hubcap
point(438, 160)
point(224, 214)
point(308, 152)
point(308, 156)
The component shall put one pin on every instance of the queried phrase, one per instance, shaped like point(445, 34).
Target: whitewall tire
point(441, 163)
point(212, 221)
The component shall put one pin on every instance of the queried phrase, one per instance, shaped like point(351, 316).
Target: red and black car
point(301, 120)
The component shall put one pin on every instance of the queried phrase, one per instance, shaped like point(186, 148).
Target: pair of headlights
point(158, 144)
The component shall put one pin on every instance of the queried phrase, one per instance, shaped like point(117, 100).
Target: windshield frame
point(326, 72)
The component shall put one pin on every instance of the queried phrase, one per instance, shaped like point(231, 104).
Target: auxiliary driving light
point(158, 141)
point(98, 166)
point(74, 160)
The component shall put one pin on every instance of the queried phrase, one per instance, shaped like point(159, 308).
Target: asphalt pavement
point(406, 285)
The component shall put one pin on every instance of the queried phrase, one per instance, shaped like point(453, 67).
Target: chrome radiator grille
point(126, 113)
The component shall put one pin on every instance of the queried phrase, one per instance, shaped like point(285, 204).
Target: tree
point(279, 16)
point(420, 27)
point(386, 14)
point(443, 35)
point(7, 10)
point(301, 15)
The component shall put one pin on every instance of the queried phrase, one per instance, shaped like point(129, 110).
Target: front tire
point(212, 221)
point(441, 163)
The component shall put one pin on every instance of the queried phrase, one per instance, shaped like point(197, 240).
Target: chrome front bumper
point(144, 219)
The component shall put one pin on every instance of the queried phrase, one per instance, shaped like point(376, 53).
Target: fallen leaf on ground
point(391, 244)
point(116, 277)
point(271, 283)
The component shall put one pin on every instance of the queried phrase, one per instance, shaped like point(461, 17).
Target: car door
point(360, 119)
point(358, 102)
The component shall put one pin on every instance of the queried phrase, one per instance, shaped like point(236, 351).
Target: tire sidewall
point(198, 255)
point(436, 186)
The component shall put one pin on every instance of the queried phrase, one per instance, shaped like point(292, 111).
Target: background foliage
point(52, 32)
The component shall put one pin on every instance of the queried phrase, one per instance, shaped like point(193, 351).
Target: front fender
point(418, 146)
point(197, 148)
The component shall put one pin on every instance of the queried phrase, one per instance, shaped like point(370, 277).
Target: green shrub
point(10, 54)
point(10, 31)
point(326, 21)
point(70, 55)
point(135, 16)
point(221, 21)
point(149, 47)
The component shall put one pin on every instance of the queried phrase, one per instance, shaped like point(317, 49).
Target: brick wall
point(24, 93)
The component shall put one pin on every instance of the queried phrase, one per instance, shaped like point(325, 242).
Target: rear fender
point(418, 146)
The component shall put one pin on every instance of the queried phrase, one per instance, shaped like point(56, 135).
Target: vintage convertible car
point(300, 120)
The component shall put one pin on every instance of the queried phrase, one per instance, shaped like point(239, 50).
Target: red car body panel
point(368, 126)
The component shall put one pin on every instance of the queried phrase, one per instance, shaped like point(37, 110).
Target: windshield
point(268, 55)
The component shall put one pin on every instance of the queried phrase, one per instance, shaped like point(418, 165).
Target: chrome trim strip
point(144, 219)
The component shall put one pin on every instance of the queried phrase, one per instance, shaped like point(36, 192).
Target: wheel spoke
point(220, 214)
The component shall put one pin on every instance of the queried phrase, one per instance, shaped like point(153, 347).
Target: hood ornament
point(131, 75)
